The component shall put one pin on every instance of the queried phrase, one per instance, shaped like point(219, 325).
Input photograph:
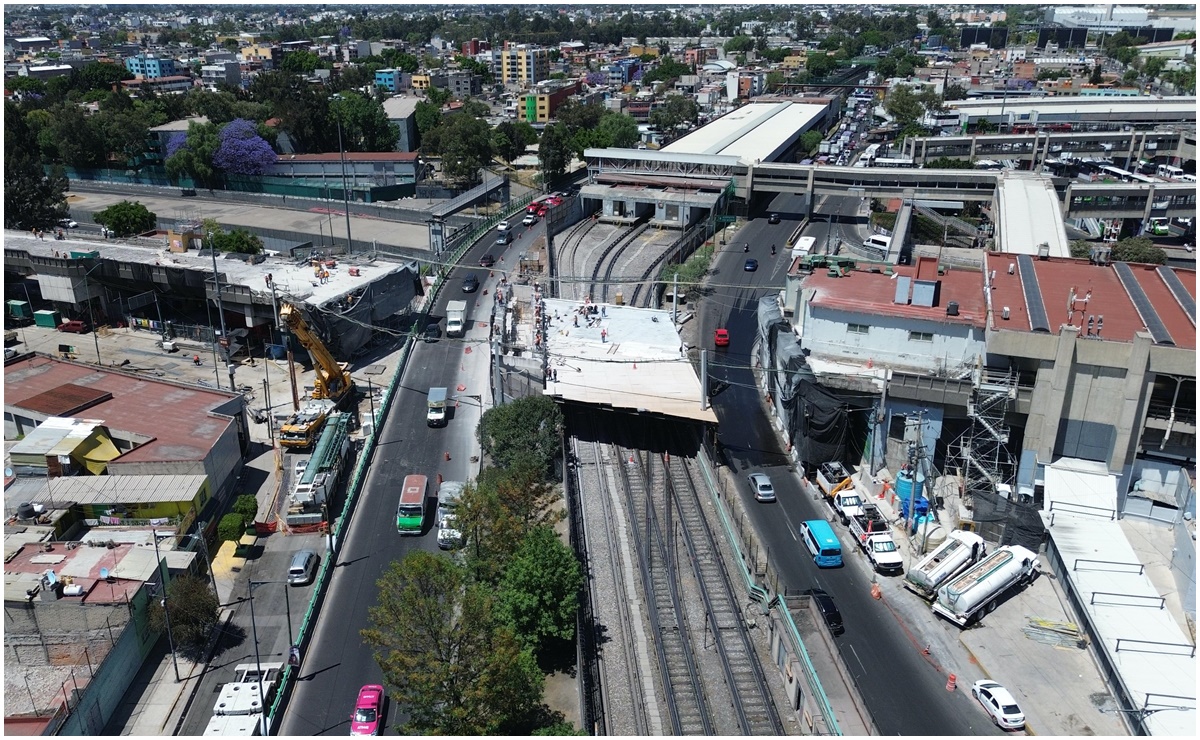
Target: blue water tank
point(904, 484)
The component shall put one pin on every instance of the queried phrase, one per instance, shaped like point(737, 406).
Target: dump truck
point(456, 318)
point(950, 558)
point(976, 590)
point(435, 416)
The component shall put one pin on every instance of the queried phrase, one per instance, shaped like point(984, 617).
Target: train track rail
point(569, 252)
point(608, 261)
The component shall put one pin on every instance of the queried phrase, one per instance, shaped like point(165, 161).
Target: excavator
point(331, 388)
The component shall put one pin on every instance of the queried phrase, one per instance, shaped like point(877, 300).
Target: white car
point(761, 485)
point(529, 220)
point(504, 226)
point(998, 703)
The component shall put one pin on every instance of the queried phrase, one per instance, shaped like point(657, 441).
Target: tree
point(74, 138)
point(438, 96)
point(231, 527)
point(615, 130)
point(125, 218)
point(102, 75)
point(578, 117)
point(554, 151)
point(902, 105)
point(242, 151)
point(31, 198)
point(365, 125)
point(428, 116)
point(194, 611)
point(300, 62)
point(1139, 249)
point(948, 163)
point(1154, 67)
point(819, 65)
point(539, 595)
point(809, 141)
point(1095, 78)
point(194, 158)
point(401, 60)
point(510, 138)
point(886, 67)
point(676, 109)
point(238, 241)
point(667, 69)
point(739, 44)
point(451, 667)
point(527, 426)
point(465, 145)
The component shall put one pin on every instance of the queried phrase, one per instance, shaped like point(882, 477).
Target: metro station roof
point(639, 364)
point(752, 132)
point(1029, 215)
point(1080, 107)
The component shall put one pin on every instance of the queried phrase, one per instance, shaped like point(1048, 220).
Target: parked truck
point(950, 558)
point(241, 702)
point(838, 488)
point(448, 534)
point(456, 318)
point(873, 535)
point(977, 589)
point(436, 415)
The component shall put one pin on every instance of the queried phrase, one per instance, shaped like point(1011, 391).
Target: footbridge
point(1179, 143)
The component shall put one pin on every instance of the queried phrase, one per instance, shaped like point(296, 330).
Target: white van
point(878, 241)
point(1169, 172)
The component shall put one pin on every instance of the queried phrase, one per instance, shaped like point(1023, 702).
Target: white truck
point(873, 535)
point(978, 587)
point(448, 534)
point(241, 702)
point(435, 416)
point(456, 318)
point(950, 558)
point(838, 488)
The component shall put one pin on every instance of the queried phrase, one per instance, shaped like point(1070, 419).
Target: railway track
point(569, 252)
point(608, 262)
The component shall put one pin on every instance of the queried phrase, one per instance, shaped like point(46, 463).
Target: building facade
point(150, 67)
point(524, 65)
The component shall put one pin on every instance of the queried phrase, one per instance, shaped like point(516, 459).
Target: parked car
point(365, 720)
point(773, 218)
point(760, 483)
point(487, 260)
point(721, 337)
point(828, 610)
point(470, 283)
point(751, 265)
point(74, 327)
point(999, 704)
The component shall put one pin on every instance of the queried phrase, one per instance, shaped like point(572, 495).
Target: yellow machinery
point(333, 378)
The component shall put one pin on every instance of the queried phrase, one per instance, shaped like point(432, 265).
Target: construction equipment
point(333, 378)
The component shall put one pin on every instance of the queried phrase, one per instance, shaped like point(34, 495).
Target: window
point(858, 328)
point(920, 336)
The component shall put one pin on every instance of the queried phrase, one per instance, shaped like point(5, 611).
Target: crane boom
point(333, 379)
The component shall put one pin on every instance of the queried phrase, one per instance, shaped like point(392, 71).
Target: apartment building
point(540, 104)
point(146, 67)
point(393, 80)
point(265, 54)
point(524, 65)
point(222, 73)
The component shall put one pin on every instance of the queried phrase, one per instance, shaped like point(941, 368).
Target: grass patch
point(691, 273)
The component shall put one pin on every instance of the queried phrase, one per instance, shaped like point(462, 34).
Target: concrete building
point(402, 111)
point(522, 65)
point(622, 71)
point(150, 67)
point(160, 85)
point(393, 80)
point(744, 84)
point(268, 55)
point(463, 84)
point(221, 73)
point(539, 104)
point(1168, 49)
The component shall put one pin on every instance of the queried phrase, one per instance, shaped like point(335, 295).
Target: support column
point(1050, 395)
point(1133, 402)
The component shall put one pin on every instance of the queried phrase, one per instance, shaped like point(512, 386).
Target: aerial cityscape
point(823, 369)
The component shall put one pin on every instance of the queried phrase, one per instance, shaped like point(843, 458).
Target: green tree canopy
point(819, 65)
point(539, 595)
point(902, 105)
point(526, 427)
point(667, 69)
point(739, 44)
point(676, 109)
point(365, 125)
point(809, 141)
point(465, 145)
point(300, 62)
point(451, 667)
point(1139, 249)
point(554, 151)
point(510, 139)
point(126, 218)
point(194, 610)
point(195, 158)
point(31, 198)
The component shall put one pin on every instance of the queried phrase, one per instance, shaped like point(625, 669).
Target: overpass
point(1037, 147)
point(1136, 111)
point(1130, 200)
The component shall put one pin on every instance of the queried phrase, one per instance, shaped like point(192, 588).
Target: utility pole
point(221, 314)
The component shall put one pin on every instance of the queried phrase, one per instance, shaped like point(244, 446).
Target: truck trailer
point(978, 588)
point(950, 558)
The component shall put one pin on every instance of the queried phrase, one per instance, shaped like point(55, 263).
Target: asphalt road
point(338, 663)
point(905, 694)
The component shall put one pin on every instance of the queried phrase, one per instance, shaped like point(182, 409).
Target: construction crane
point(333, 378)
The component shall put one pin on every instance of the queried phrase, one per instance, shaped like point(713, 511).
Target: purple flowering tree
point(242, 150)
point(177, 141)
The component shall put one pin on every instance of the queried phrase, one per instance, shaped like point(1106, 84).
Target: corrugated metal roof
point(124, 489)
point(67, 399)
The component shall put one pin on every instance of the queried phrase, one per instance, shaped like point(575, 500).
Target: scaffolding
point(981, 453)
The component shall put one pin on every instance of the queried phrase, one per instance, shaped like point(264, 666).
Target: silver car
point(760, 484)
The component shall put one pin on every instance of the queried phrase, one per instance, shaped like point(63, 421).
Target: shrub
point(232, 527)
point(247, 506)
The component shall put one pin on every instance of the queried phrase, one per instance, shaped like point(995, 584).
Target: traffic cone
point(447, 454)
point(951, 682)
point(439, 479)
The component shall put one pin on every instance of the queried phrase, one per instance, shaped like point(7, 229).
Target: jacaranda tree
point(242, 151)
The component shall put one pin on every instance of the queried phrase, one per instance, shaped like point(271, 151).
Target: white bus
point(1170, 172)
point(893, 162)
point(803, 246)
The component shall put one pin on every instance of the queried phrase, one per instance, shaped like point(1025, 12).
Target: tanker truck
point(949, 559)
point(978, 588)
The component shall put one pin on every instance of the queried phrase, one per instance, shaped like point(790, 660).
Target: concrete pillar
point(1050, 396)
point(974, 140)
point(1133, 402)
point(1149, 203)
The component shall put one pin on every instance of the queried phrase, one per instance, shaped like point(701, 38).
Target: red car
point(721, 337)
point(365, 720)
point(542, 212)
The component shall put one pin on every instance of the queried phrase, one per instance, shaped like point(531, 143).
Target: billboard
point(1066, 38)
point(994, 37)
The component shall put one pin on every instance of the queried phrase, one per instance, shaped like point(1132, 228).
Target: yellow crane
point(333, 378)
point(331, 387)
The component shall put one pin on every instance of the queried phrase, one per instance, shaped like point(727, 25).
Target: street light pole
point(262, 717)
point(221, 314)
point(162, 579)
point(91, 314)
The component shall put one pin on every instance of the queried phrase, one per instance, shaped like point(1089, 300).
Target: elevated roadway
point(1116, 145)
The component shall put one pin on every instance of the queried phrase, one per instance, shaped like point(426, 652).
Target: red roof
point(1098, 293)
point(872, 293)
point(179, 420)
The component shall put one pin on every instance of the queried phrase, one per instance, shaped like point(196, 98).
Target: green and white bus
point(410, 512)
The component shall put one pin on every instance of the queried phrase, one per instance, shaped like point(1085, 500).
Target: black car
point(432, 333)
point(773, 218)
point(823, 604)
point(487, 260)
point(751, 265)
point(470, 283)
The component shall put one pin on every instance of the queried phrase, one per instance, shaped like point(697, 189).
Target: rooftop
point(1115, 109)
point(350, 157)
point(180, 125)
point(1099, 293)
point(622, 358)
point(1029, 215)
point(752, 132)
point(181, 422)
point(866, 292)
